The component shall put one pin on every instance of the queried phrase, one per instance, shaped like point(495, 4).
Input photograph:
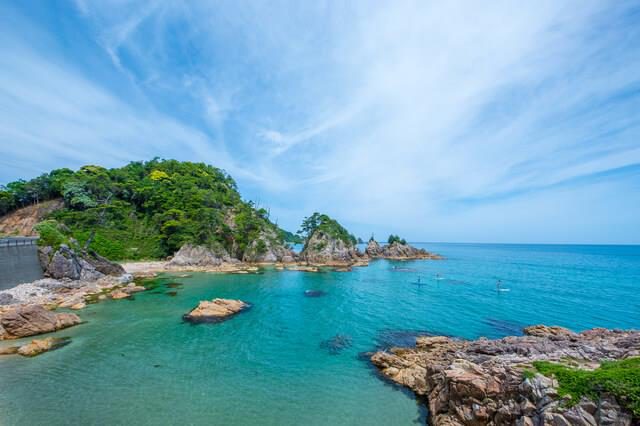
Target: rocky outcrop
point(373, 249)
point(267, 248)
point(37, 346)
point(215, 310)
point(400, 251)
point(483, 382)
point(200, 256)
point(322, 249)
point(67, 263)
point(397, 250)
point(33, 319)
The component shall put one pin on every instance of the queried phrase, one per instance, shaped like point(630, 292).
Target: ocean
point(293, 359)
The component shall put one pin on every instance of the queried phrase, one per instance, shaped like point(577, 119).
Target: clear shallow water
point(136, 362)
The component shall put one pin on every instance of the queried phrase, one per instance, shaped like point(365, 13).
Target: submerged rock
point(483, 381)
point(34, 319)
point(215, 310)
point(119, 294)
point(38, 346)
point(336, 344)
point(314, 293)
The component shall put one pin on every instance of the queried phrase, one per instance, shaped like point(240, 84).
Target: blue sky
point(440, 121)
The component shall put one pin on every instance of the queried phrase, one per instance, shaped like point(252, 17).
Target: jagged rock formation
point(33, 319)
point(268, 248)
point(22, 221)
point(192, 255)
point(398, 251)
point(215, 310)
point(323, 249)
point(483, 382)
point(373, 249)
point(66, 263)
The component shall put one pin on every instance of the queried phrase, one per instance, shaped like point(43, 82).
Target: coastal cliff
point(550, 376)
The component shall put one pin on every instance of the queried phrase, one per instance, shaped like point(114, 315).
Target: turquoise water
point(136, 362)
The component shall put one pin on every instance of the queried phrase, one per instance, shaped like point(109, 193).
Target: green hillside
point(147, 210)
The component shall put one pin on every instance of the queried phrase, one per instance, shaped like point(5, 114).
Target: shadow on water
point(389, 338)
point(505, 327)
point(385, 340)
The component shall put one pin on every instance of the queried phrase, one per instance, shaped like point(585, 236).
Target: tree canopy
point(396, 239)
point(323, 223)
point(148, 209)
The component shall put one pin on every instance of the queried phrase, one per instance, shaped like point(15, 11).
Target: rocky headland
point(501, 382)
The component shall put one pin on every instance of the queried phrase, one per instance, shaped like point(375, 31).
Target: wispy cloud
point(434, 116)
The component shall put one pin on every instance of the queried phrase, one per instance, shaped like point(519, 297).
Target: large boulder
point(76, 265)
point(34, 319)
point(193, 255)
point(215, 310)
point(103, 265)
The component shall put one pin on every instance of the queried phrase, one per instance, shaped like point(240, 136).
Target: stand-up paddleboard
point(499, 287)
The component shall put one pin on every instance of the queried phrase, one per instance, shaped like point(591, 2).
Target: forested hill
point(148, 209)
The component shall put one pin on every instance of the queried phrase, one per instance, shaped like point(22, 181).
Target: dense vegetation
point(396, 239)
point(147, 209)
point(619, 378)
point(322, 223)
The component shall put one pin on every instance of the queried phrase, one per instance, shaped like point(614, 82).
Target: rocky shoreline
point(77, 277)
point(495, 382)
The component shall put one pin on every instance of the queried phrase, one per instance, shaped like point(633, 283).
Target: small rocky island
point(215, 311)
point(550, 376)
point(396, 249)
point(328, 243)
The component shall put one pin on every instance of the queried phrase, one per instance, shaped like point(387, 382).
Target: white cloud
point(389, 113)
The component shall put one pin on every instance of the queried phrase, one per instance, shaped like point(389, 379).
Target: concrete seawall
point(18, 262)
